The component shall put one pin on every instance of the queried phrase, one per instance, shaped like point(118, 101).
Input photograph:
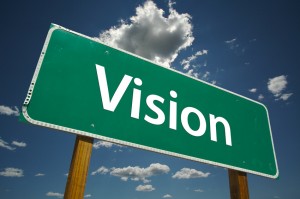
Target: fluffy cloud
point(260, 97)
point(87, 196)
point(55, 194)
point(167, 196)
point(152, 35)
point(285, 96)
point(253, 90)
point(139, 174)
point(147, 187)
point(12, 172)
point(186, 173)
point(101, 170)
point(5, 110)
point(277, 85)
point(192, 73)
point(5, 145)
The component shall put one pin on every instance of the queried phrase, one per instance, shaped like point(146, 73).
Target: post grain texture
point(79, 168)
point(238, 184)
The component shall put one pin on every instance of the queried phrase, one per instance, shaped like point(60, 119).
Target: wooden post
point(79, 168)
point(238, 184)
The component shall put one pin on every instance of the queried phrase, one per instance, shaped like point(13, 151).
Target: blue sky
point(250, 48)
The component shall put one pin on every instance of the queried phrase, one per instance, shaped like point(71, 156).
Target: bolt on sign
point(85, 87)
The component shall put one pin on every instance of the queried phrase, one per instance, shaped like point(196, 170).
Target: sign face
point(85, 87)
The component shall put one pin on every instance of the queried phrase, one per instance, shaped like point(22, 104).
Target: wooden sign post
point(238, 184)
point(79, 168)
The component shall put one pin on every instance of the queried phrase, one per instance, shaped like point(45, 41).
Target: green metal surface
point(66, 96)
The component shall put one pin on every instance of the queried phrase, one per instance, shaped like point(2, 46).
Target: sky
point(247, 47)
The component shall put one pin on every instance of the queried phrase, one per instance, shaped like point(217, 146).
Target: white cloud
point(139, 174)
point(167, 196)
point(147, 187)
point(87, 196)
point(187, 62)
point(198, 190)
point(285, 96)
point(12, 172)
point(39, 174)
point(5, 145)
point(260, 97)
point(277, 85)
point(55, 194)
point(101, 170)
point(186, 173)
point(192, 73)
point(233, 45)
point(206, 75)
point(99, 144)
point(19, 144)
point(152, 34)
point(5, 110)
point(253, 90)
point(230, 41)
point(104, 144)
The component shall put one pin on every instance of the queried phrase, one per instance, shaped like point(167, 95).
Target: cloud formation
point(152, 35)
point(187, 62)
point(253, 90)
point(101, 170)
point(285, 96)
point(146, 187)
point(139, 174)
point(5, 110)
point(19, 144)
point(277, 85)
point(39, 174)
point(167, 196)
point(260, 97)
point(12, 172)
point(232, 44)
point(100, 144)
point(54, 194)
point(186, 173)
point(5, 145)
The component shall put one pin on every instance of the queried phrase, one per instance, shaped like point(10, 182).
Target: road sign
point(88, 88)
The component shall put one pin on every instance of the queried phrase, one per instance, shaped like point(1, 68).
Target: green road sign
point(85, 87)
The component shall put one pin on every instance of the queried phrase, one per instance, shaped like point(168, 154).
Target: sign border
point(25, 114)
